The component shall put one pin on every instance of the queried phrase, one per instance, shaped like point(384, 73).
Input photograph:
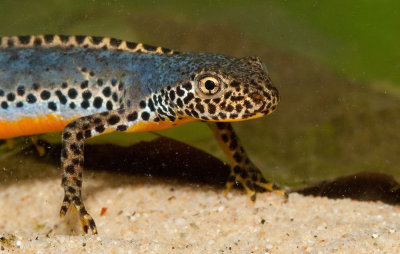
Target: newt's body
point(87, 86)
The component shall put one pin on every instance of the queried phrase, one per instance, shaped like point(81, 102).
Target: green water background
point(336, 63)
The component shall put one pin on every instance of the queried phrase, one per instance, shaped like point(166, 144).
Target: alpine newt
point(86, 86)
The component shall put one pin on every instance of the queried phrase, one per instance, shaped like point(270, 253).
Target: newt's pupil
point(210, 85)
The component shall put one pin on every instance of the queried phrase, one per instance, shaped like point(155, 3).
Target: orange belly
point(32, 125)
point(51, 123)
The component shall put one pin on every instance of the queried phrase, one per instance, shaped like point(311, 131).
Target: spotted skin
point(87, 86)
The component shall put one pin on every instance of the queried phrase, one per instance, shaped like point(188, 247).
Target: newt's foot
point(85, 218)
point(39, 145)
point(252, 181)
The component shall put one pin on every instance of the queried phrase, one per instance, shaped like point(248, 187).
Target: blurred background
point(335, 63)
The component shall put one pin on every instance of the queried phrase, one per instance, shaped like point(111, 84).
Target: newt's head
point(227, 89)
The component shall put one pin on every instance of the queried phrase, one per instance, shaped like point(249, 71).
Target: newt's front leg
point(73, 138)
point(243, 170)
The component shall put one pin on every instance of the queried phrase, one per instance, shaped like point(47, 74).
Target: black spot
point(221, 126)
point(216, 100)
point(171, 118)
point(84, 84)
point(115, 97)
point(10, 42)
point(229, 108)
point(151, 105)
point(72, 105)
point(79, 136)
point(1, 92)
point(115, 42)
point(86, 95)
point(222, 115)
point(85, 104)
point(233, 116)
point(97, 40)
point(248, 104)
point(92, 224)
point(227, 94)
point(188, 98)
point(145, 116)
point(194, 113)
point(155, 99)
point(122, 127)
point(235, 84)
point(67, 135)
point(49, 38)
point(10, 96)
point(51, 105)
point(70, 169)
point(200, 108)
point(35, 86)
point(113, 120)
point(37, 42)
point(121, 86)
point(211, 109)
point(97, 102)
point(100, 82)
point(61, 97)
point(132, 117)
point(161, 112)
point(20, 104)
point(88, 134)
point(233, 145)
point(179, 102)
point(20, 90)
point(84, 69)
point(179, 91)
point(187, 86)
point(237, 98)
point(107, 91)
point(4, 105)
point(172, 112)
point(86, 126)
point(79, 39)
point(109, 105)
point(239, 107)
point(24, 39)
point(172, 95)
point(105, 113)
point(31, 98)
point(224, 137)
point(114, 82)
point(64, 85)
point(64, 38)
point(131, 45)
point(72, 93)
point(149, 47)
point(75, 149)
point(100, 128)
point(142, 104)
point(97, 120)
point(166, 50)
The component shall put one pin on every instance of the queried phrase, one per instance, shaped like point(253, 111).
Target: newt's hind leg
point(73, 138)
point(243, 170)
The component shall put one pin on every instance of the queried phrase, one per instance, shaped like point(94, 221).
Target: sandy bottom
point(144, 215)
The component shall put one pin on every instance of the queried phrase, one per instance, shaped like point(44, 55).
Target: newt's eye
point(209, 85)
